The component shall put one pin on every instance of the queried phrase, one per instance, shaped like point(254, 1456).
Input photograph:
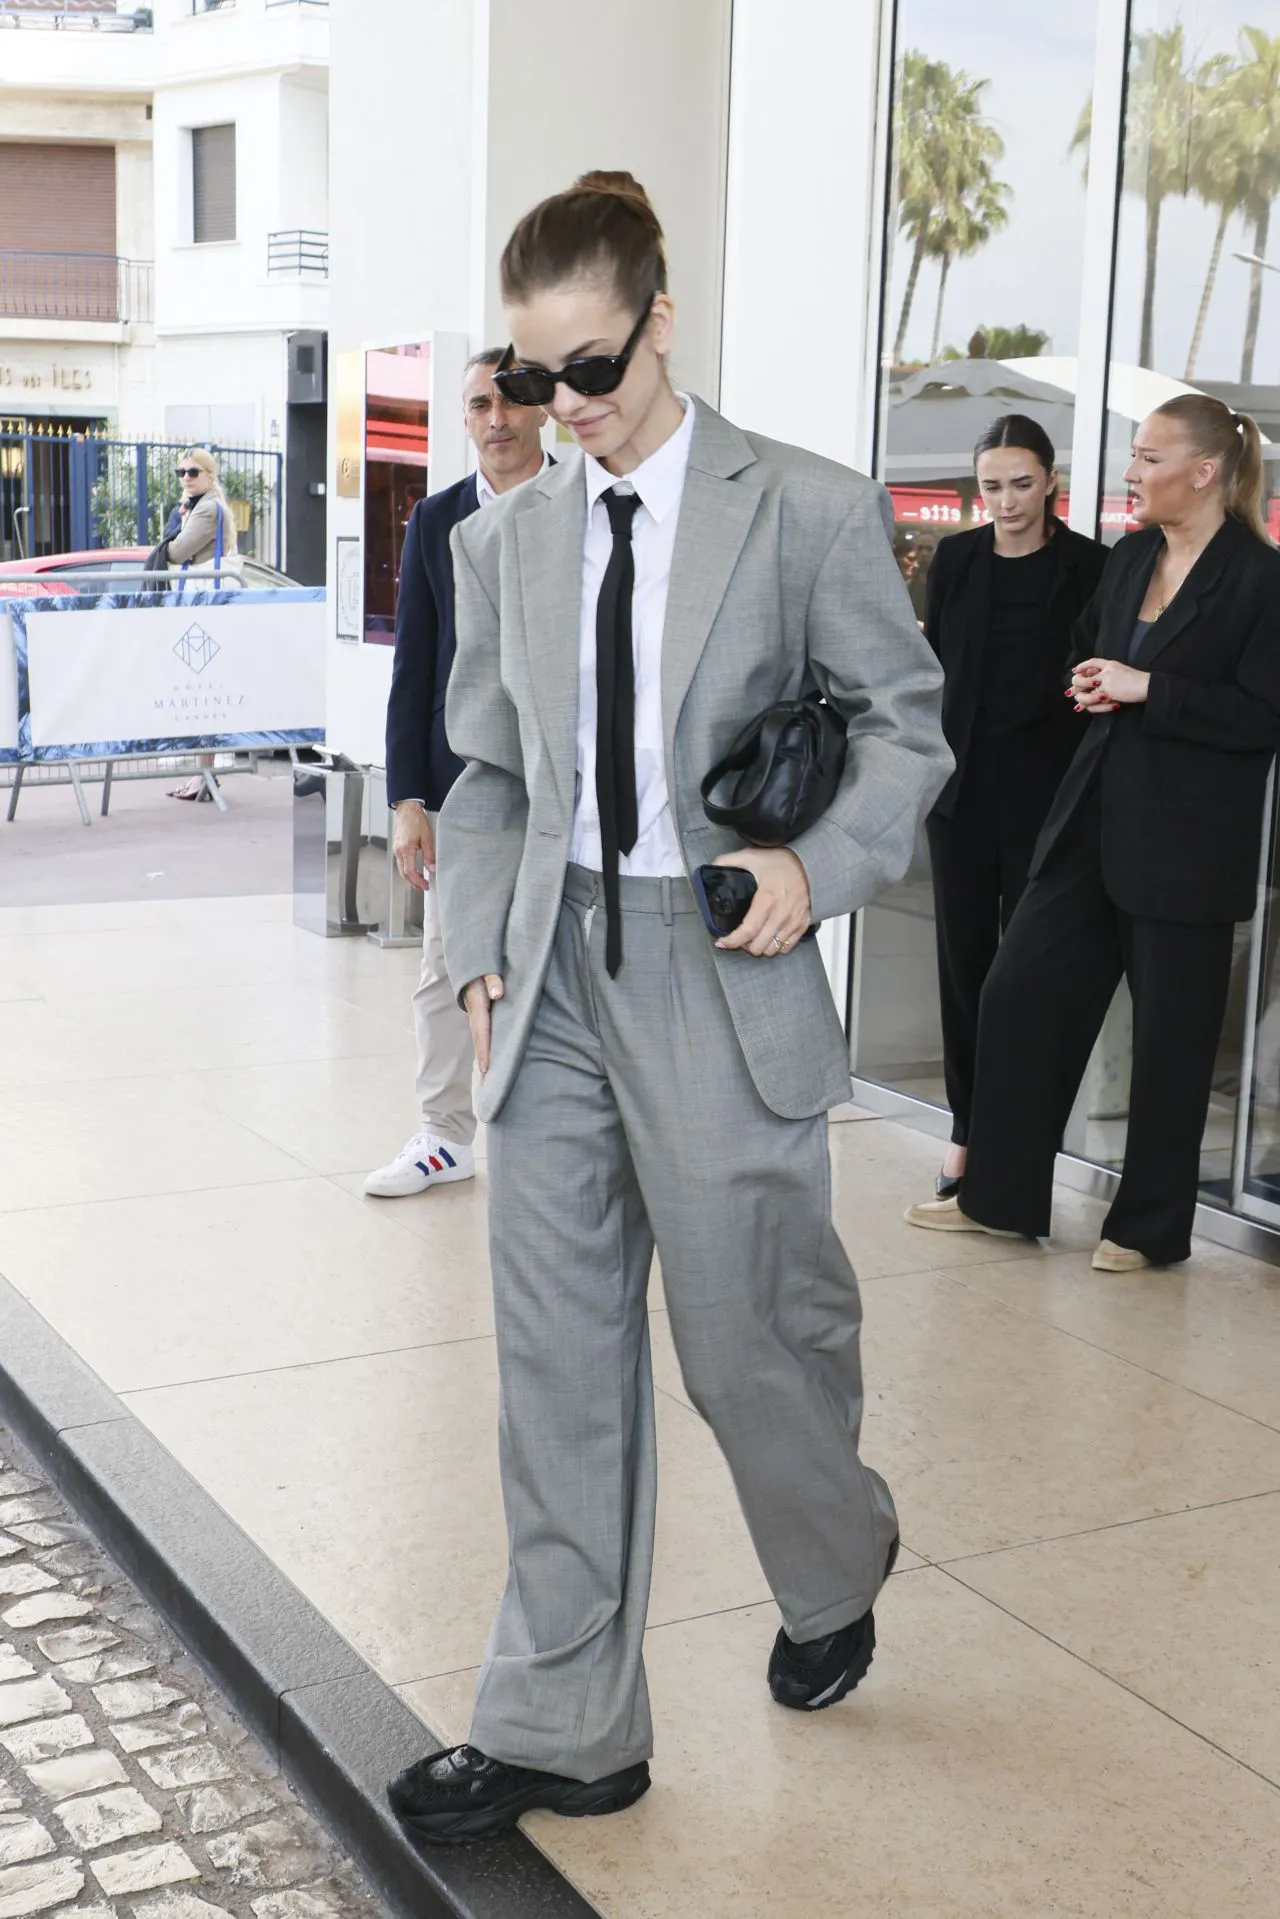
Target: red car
point(58, 572)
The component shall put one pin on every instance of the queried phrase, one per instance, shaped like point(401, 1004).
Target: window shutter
point(57, 199)
point(213, 154)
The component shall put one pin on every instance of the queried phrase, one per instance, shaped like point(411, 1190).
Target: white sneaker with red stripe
point(427, 1160)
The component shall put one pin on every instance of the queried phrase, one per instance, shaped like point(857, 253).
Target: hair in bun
point(602, 227)
point(626, 184)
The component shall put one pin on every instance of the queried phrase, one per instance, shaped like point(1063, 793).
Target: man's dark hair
point(489, 357)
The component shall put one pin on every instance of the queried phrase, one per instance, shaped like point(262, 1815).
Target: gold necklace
point(1164, 605)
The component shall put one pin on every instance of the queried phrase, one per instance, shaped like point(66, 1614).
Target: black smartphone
point(723, 894)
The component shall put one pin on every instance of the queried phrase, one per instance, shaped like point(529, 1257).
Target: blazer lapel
point(549, 540)
point(1121, 615)
point(716, 511)
point(977, 613)
point(1203, 576)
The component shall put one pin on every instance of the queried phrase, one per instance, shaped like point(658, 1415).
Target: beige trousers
point(445, 1055)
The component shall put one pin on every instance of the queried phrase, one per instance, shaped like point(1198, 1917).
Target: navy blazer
point(1182, 776)
point(420, 763)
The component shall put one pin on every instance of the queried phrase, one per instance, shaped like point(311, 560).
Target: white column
point(644, 88)
point(803, 243)
point(406, 108)
point(1097, 277)
point(801, 278)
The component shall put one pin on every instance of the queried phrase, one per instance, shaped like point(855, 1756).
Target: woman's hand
point(478, 998)
point(779, 914)
point(1100, 686)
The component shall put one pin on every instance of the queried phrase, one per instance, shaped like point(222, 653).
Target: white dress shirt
point(659, 481)
point(485, 493)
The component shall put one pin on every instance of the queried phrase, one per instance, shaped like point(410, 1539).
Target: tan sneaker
point(944, 1216)
point(1111, 1258)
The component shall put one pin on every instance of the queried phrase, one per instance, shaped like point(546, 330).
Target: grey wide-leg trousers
point(634, 1120)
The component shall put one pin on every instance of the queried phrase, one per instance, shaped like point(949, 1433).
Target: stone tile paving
point(127, 1789)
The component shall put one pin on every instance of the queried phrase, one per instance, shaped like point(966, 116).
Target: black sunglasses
point(190, 472)
point(598, 373)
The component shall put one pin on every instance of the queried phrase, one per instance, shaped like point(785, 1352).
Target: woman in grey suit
point(620, 620)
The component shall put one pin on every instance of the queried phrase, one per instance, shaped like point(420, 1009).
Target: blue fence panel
point(68, 492)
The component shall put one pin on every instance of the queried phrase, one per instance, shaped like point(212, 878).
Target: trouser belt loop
point(667, 914)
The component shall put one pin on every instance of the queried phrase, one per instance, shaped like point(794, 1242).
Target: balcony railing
point(75, 286)
point(81, 15)
point(228, 6)
point(300, 252)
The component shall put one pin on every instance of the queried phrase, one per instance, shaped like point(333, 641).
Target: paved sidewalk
point(1072, 1706)
point(149, 847)
point(126, 1789)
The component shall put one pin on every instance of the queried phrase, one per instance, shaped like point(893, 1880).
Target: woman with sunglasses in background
point(1002, 601)
point(202, 533)
point(620, 620)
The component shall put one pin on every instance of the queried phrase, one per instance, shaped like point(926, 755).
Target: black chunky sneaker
point(815, 1673)
point(456, 1797)
point(818, 1672)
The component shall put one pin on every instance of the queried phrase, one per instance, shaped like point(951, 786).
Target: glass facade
point(993, 145)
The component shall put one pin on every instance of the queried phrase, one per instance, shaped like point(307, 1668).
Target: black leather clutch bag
point(785, 769)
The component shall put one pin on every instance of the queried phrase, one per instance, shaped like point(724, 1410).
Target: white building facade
point(163, 214)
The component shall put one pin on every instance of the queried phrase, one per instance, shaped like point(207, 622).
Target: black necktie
point(616, 715)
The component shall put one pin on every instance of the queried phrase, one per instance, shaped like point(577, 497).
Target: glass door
point(985, 239)
point(1255, 1168)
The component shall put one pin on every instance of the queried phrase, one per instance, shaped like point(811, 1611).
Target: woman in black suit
point(1002, 602)
point(1150, 852)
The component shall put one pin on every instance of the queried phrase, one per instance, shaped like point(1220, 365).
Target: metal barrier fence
point(63, 492)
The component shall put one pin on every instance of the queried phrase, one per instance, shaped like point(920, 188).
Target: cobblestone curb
point(127, 1791)
point(335, 1729)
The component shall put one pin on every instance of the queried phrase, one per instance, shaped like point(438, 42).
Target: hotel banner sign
point(113, 675)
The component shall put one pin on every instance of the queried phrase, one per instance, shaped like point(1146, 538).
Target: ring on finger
point(776, 944)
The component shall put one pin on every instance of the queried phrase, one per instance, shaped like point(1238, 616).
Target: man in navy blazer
point(421, 767)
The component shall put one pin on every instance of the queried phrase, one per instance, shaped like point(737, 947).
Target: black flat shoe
point(457, 1797)
point(947, 1185)
point(814, 1673)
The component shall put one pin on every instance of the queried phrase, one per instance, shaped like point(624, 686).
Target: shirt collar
point(485, 492)
point(659, 480)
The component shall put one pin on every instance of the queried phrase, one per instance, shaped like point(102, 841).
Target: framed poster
point(349, 581)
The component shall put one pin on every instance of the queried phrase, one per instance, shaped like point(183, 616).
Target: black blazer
point(1183, 775)
point(958, 615)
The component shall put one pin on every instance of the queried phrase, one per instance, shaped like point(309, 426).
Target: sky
point(1040, 66)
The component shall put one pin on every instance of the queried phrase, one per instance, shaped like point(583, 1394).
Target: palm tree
point(1255, 87)
point(1157, 127)
point(1002, 342)
point(941, 140)
point(963, 229)
point(1220, 172)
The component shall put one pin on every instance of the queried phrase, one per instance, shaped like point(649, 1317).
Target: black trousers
point(979, 858)
point(1042, 1007)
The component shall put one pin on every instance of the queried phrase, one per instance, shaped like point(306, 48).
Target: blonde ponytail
point(1246, 489)
point(1233, 440)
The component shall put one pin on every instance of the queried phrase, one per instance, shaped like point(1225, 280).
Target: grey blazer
point(783, 576)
